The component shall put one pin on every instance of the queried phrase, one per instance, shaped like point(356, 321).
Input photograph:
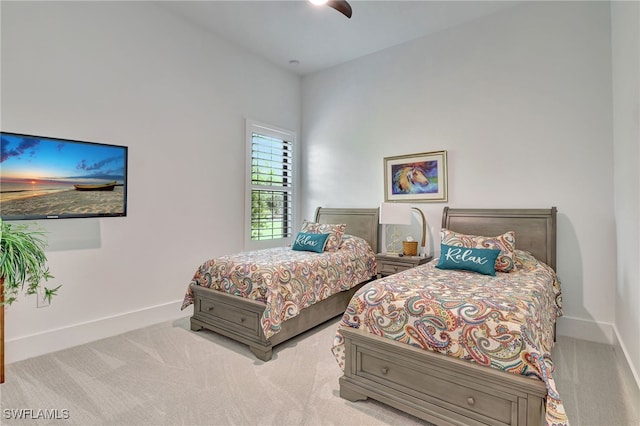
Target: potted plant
point(22, 261)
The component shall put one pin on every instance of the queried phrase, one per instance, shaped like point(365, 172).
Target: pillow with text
point(482, 261)
point(305, 241)
point(506, 243)
point(335, 231)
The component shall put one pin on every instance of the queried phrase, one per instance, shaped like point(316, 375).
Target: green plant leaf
point(49, 293)
point(23, 261)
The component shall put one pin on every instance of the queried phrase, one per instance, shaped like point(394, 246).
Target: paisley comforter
point(504, 322)
point(286, 280)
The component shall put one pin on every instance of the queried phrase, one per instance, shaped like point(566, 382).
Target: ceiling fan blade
point(341, 6)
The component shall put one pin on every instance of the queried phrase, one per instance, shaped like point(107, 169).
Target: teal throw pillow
point(306, 241)
point(468, 259)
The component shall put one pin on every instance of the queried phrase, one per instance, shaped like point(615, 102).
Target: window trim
point(251, 127)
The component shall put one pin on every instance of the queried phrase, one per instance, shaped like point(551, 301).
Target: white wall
point(128, 73)
point(625, 18)
point(521, 101)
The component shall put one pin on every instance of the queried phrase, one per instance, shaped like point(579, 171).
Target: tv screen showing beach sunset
point(50, 178)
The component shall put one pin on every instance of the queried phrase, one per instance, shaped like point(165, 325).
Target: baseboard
point(33, 345)
point(630, 373)
point(600, 333)
point(585, 330)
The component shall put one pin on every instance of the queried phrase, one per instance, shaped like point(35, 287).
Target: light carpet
point(168, 375)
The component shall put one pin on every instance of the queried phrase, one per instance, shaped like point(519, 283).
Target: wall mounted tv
point(52, 178)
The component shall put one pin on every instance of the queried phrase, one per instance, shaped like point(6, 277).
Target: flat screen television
point(52, 178)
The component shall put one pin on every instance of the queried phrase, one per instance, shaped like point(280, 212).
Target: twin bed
point(305, 289)
point(458, 347)
point(451, 347)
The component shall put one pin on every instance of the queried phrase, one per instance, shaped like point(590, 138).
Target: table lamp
point(394, 214)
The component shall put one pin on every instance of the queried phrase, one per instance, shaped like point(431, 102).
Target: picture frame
point(416, 177)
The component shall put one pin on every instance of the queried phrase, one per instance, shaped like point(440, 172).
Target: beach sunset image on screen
point(51, 178)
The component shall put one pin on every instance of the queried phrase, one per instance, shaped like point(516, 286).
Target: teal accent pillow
point(306, 241)
point(468, 259)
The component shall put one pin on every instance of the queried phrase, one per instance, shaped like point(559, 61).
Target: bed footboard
point(233, 317)
point(239, 318)
point(437, 388)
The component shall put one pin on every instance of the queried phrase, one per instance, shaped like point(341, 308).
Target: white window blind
point(272, 183)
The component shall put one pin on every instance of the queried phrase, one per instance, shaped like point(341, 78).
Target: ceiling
point(318, 37)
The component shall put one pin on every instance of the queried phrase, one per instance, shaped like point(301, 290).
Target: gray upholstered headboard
point(362, 223)
point(535, 229)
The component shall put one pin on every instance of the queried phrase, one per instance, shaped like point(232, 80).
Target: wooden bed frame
point(239, 318)
point(445, 390)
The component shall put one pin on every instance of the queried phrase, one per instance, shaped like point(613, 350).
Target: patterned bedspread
point(505, 322)
point(286, 280)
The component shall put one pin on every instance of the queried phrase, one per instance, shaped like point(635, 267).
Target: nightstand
point(389, 264)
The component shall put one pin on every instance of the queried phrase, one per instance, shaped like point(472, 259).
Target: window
point(270, 189)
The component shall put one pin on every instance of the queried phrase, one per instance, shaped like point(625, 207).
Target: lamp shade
point(395, 214)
